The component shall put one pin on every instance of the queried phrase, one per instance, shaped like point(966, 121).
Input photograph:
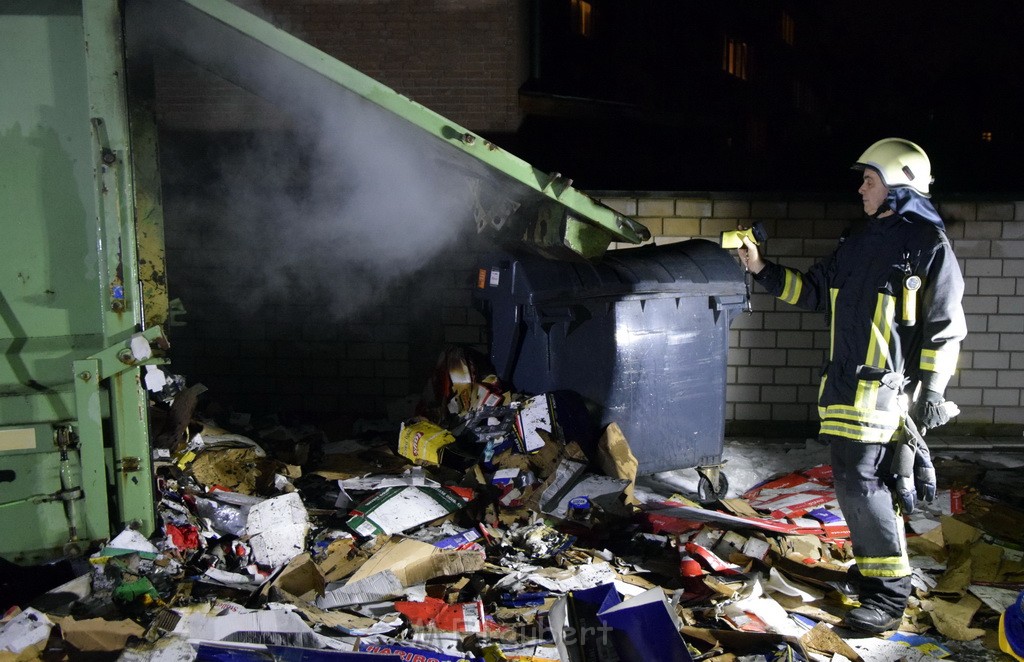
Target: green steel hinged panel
point(80, 212)
point(69, 283)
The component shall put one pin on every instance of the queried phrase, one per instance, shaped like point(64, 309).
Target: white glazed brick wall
point(777, 350)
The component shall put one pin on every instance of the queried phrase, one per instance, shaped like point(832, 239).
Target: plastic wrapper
point(226, 511)
point(536, 541)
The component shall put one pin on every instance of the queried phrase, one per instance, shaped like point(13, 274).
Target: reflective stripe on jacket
point(885, 335)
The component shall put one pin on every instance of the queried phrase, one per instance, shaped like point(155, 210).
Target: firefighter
point(892, 292)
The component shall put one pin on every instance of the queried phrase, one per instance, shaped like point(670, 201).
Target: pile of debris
point(494, 526)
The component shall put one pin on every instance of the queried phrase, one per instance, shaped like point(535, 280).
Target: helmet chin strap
point(882, 208)
point(888, 205)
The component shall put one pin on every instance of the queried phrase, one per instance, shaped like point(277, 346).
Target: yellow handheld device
point(734, 238)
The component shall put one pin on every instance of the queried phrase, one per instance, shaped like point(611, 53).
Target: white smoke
point(348, 204)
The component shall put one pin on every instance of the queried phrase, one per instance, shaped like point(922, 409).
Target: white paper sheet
point(277, 529)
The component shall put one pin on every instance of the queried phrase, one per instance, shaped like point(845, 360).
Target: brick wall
point(291, 354)
point(464, 59)
point(777, 350)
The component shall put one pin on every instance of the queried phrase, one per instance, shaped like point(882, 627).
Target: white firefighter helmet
point(899, 162)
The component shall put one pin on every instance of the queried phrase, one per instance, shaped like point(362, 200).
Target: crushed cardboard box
point(490, 529)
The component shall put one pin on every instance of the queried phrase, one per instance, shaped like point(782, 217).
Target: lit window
point(582, 18)
point(734, 58)
point(788, 29)
point(986, 136)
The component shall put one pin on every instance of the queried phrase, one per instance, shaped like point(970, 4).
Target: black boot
point(872, 619)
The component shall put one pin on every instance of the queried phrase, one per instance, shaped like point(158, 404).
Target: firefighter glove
point(902, 470)
point(931, 410)
point(924, 473)
point(906, 495)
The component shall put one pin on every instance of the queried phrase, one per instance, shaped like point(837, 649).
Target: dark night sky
point(937, 72)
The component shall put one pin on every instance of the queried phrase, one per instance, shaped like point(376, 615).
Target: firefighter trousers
point(882, 571)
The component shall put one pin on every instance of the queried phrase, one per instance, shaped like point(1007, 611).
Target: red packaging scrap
point(794, 505)
point(821, 474)
point(511, 497)
point(421, 613)
point(711, 559)
point(184, 538)
point(661, 523)
point(832, 522)
point(511, 482)
point(809, 527)
point(956, 502)
point(458, 617)
point(488, 393)
point(688, 566)
point(408, 653)
point(790, 481)
point(467, 493)
point(791, 496)
point(691, 517)
point(747, 622)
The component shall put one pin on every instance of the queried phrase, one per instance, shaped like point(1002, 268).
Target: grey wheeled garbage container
point(643, 334)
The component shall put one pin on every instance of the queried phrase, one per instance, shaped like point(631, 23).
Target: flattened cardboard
point(245, 470)
point(398, 509)
point(341, 560)
point(616, 459)
point(414, 562)
point(821, 638)
point(953, 619)
point(571, 465)
point(301, 577)
point(96, 635)
point(399, 564)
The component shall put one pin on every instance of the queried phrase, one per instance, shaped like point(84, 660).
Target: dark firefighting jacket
point(892, 290)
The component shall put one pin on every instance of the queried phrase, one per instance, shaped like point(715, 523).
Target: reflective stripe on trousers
point(876, 530)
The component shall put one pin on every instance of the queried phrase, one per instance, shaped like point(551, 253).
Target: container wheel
point(708, 492)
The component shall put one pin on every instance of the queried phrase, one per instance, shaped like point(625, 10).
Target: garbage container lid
point(694, 267)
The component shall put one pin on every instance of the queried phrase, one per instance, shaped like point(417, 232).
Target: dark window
point(788, 29)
